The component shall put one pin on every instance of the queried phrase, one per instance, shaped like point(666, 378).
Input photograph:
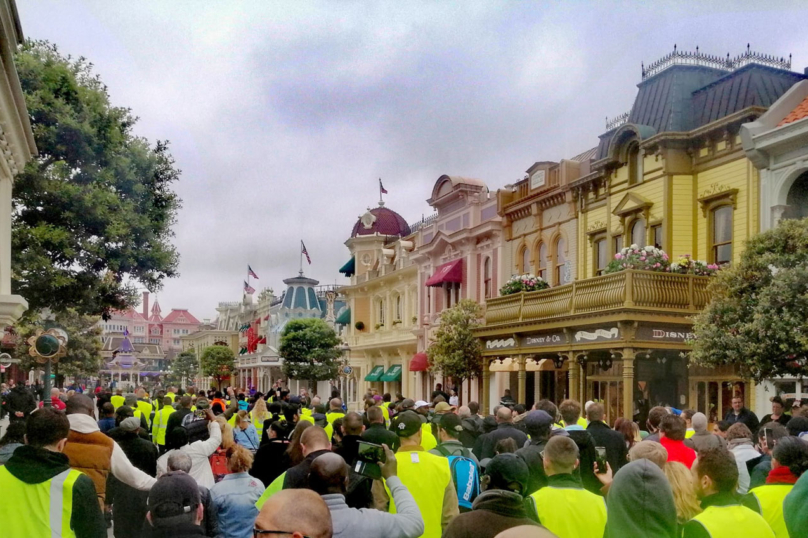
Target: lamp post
point(45, 347)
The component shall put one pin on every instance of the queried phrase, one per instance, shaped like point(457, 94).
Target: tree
point(456, 352)
point(757, 318)
point(184, 368)
point(218, 362)
point(83, 357)
point(309, 350)
point(92, 212)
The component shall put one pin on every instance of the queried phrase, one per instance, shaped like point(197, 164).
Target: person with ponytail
point(789, 462)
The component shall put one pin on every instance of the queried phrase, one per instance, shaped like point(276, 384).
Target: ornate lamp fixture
point(47, 347)
point(558, 362)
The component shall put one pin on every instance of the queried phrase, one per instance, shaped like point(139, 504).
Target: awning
point(448, 272)
point(375, 374)
point(344, 318)
point(349, 268)
point(419, 363)
point(392, 374)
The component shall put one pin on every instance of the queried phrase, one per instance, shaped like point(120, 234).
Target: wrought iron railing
point(423, 223)
point(617, 121)
point(725, 63)
point(638, 290)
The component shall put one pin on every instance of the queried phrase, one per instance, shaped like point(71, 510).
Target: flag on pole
point(381, 187)
point(249, 290)
point(251, 273)
point(305, 252)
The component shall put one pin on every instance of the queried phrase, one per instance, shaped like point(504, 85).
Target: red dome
point(382, 221)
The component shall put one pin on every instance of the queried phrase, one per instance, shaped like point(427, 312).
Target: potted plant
point(519, 283)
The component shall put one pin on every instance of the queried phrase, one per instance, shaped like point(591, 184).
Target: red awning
point(419, 363)
point(448, 272)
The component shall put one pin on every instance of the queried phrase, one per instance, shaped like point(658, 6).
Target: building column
point(484, 400)
point(575, 378)
point(628, 383)
point(521, 380)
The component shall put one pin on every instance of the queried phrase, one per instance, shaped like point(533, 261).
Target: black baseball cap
point(173, 499)
point(507, 469)
point(451, 423)
point(406, 424)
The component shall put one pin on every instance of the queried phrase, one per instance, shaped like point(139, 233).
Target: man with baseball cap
point(425, 475)
point(449, 428)
point(175, 509)
point(502, 504)
point(428, 439)
point(539, 424)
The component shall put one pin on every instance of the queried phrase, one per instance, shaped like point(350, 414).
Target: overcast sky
point(283, 115)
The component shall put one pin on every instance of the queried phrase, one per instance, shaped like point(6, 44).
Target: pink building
point(458, 253)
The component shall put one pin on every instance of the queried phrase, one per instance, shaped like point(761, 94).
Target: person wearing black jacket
point(376, 431)
point(484, 448)
point(358, 494)
point(314, 442)
point(175, 419)
point(18, 403)
point(538, 424)
point(739, 413)
point(603, 435)
point(25, 476)
point(271, 460)
point(129, 504)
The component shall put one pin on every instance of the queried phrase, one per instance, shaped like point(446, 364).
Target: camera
point(368, 458)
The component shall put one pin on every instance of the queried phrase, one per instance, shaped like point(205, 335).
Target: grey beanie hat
point(130, 424)
point(699, 422)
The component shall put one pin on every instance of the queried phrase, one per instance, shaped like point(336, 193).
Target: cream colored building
point(17, 144)
point(204, 338)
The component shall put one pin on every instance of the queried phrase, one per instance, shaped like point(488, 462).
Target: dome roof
point(382, 221)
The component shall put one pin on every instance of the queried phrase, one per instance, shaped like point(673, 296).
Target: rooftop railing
point(679, 57)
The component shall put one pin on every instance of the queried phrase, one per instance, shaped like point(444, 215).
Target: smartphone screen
point(600, 460)
point(371, 452)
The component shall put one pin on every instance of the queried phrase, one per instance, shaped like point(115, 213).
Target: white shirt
point(199, 453)
point(453, 400)
point(121, 467)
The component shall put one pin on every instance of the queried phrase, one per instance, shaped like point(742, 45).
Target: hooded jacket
point(493, 511)
point(795, 508)
point(36, 465)
point(640, 503)
point(18, 399)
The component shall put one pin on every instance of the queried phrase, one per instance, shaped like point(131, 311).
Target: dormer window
point(634, 162)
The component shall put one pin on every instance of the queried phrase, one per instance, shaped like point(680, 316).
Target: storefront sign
point(502, 343)
point(270, 359)
point(665, 334)
point(547, 339)
point(598, 335)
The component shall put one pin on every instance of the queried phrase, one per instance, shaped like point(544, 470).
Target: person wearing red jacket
point(672, 437)
point(56, 403)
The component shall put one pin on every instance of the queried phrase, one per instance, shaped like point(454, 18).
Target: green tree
point(218, 362)
point(456, 352)
point(758, 313)
point(309, 350)
point(92, 213)
point(83, 357)
point(184, 368)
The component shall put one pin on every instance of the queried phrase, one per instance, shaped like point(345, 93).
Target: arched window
point(634, 159)
point(398, 308)
point(381, 312)
point(542, 271)
point(600, 255)
point(638, 233)
point(487, 278)
point(526, 260)
point(560, 262)
point(722, 234)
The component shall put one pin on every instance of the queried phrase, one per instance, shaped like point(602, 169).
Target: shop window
point(600, 256)
point(542, 269)
point(560, 262)
point(722, 235)
point(638, 233)
point(487, 278)
point(656, 234)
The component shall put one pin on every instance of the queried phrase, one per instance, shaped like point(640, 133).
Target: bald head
point(336, 404)
point(79, 404)
point(328, 474)
point(464, 411)
point(300, 512)
point(314, 439)
point(504, 415)
point(352, 424)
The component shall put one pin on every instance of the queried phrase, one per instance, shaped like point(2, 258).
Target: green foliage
point(758, 314)
point(309, 350)
point(218, 362)
point(83, 357)
point(456, 351)
point(184, 368)
point(92, 213)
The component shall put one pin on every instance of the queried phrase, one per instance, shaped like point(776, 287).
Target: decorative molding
point(596, 227)
point(500, 343)
point(717, 193)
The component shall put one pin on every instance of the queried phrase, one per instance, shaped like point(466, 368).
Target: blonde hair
point(239, 459)
point(684, 491)
point(649, 450)
point(227, 432)
point(259, 411)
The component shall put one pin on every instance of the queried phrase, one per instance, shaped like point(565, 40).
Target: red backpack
point(218, 464)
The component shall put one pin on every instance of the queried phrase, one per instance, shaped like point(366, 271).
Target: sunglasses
point(261, 532)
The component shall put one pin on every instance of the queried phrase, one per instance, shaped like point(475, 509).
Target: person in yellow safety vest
point(716, 477)
point(687, 414)
point(157, 403)
point(161, 423)
point(426, 476)
point(42, 495)
point(171, 394)
point(335, 410)
point(144, 405)
point(258, 415)
point(789, 462)
point(428, 441)
point(564, 506)
point(117, 399)
point(502, 504)
point(131, 402)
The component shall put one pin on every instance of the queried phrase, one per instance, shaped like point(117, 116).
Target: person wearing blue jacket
point(245, 433)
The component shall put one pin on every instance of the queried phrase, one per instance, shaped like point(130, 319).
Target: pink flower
point(656, 265)
point(618, 256)
point(642, 259)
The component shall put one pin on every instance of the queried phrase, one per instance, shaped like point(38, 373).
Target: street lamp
point(47, 346)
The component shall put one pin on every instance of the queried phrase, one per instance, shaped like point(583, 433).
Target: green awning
point(344, 318)
point(375, 374)
point(349, 268)
point(392, 374)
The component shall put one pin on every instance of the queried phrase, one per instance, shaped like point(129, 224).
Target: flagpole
point(381, 200)
point(301, 257)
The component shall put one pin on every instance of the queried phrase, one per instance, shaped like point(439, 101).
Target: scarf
point(781, 475)
point(738, 442)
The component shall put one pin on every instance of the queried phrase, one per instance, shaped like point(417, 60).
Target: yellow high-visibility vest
point(428, 441)
point(259, 424)
point(161, 423)
point(146, 409)
point(171, 395)
point(426, 477)
point(117, 401)
point(331, 417)
point(571, 511)
point(271, 490)
point(725, 521)
point(770, 499)
point(43, 509)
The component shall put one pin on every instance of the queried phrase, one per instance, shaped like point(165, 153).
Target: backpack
point(197, 428)
point(218, 464)
point(465, 475)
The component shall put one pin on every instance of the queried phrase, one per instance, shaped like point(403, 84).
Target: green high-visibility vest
point(769, 498)
point(43, 509)
point(726, 521)
point(571, 511)
point(272, 489)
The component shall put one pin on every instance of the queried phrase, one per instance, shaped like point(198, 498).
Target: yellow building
point(382, 298)
point(672, 173)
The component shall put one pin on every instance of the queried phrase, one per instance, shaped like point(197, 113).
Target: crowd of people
point(182, 462)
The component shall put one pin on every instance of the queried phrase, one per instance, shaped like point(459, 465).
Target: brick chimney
point(146, 304)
